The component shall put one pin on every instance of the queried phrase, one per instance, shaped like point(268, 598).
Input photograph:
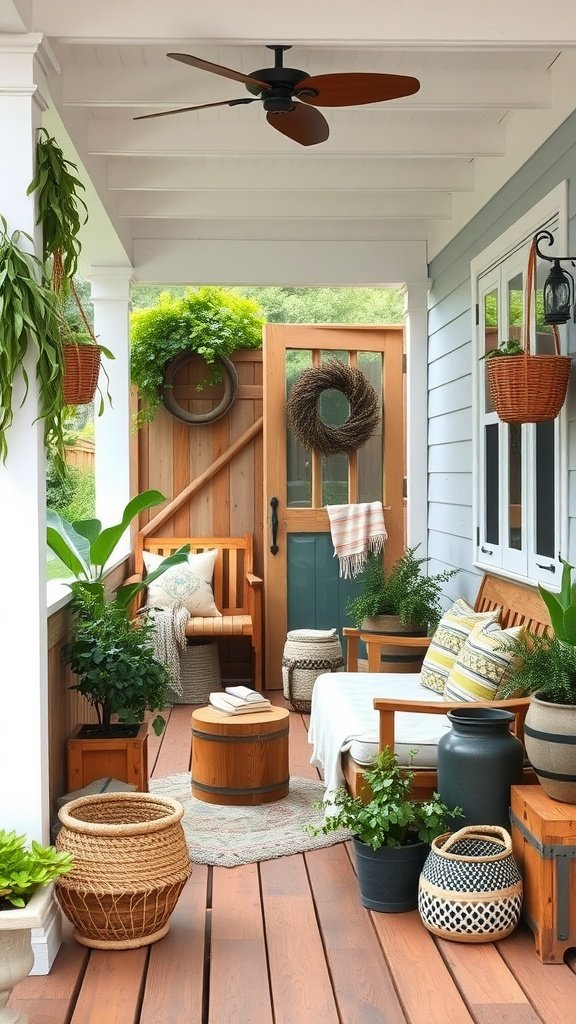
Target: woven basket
point(470, 887)
point(130, 864)
point(199, 672)
point(307, 653)
point(81, 369)
point(529, 388)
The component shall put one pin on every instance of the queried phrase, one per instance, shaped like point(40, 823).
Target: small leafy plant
point(548, 663)
point(211, 322)
point(509, 348)
point(24, 870)
point(392, 818)
point(406, 591)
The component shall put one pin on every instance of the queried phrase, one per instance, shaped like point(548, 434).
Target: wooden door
point(303, 482)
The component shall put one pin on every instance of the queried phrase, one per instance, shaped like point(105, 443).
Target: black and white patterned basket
point(470, 888)
point(307, 653)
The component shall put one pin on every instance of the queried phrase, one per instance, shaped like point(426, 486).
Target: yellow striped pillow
point(485, 662)
point(451, 634)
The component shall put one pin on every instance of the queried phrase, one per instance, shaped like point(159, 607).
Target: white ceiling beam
point(177, 137)
point(160, 87)
point(291, 229)
point(165, 174)
point(377, 24)
point(222, 204)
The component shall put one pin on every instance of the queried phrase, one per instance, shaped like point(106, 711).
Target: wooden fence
point(80, 455)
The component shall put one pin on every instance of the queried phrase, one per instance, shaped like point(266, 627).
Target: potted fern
point(404, 601)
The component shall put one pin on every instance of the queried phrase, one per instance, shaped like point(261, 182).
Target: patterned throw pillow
point(189, 584)
point(485, 662)
point(451, 634)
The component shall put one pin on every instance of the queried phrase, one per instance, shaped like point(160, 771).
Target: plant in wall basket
point(62, 212)
point(29, 314)
point(208, 322)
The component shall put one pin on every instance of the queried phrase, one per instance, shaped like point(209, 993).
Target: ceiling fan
point(290, 97)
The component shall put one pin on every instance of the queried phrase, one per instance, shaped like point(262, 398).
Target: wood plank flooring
point(287, 942)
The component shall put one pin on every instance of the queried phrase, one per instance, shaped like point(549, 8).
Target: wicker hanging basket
point(529, 388)
point(81, 363)
point(130, 865)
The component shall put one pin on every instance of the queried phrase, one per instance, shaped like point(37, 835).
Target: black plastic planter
point(388, 877)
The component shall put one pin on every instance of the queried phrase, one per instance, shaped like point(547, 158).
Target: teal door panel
point(317, 597)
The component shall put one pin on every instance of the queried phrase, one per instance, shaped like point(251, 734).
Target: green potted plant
point(25, 894)
point(402, 601)
point(113, 659)
point(391, 834)
point(208, 322)
point(548, 675)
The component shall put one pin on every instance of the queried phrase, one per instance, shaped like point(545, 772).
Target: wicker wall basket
point(130, 864)
point(81, 369)
point(307, 653)
point(470, 887)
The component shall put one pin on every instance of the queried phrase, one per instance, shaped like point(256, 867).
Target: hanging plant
point(208, 322)
point(29, 314)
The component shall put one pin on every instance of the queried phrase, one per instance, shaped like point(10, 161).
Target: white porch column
point(110, 293)
point(416, 331)
point(24, 794)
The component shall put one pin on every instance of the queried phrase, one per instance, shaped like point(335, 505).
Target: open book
point(231, 702)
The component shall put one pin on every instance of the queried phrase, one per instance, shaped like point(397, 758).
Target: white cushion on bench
point(343, 718)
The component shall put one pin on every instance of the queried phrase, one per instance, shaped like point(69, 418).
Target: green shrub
point(404, 591)
point(23, 870)
point(72, 496)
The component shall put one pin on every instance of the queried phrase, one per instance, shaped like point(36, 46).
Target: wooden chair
point(518, 605)
point(237, 591)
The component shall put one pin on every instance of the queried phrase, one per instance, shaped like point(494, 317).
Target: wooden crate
point(125, 759)
point(544, 843)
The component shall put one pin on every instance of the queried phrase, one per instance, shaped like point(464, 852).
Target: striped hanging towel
point(357, 531)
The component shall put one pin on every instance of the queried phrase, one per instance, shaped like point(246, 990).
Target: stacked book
point(239, 700)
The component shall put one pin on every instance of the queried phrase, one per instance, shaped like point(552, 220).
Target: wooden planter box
point(120, 758)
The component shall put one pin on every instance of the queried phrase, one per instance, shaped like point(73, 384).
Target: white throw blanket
point(169, 640)
point(357, 531)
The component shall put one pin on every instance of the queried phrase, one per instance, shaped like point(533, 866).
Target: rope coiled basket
point(307, 653)
point(470, 888)
point(131, 862)
point(199, 672)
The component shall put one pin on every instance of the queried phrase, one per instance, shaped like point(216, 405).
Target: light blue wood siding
point(450, 360)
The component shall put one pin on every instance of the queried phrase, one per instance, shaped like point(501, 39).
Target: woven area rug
point(228, 836)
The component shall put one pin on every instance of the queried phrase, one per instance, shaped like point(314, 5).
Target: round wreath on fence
point(304, 408)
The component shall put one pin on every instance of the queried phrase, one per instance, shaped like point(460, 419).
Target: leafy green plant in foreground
point(23, 870)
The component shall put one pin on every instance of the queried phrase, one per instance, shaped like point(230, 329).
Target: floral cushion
point(484, 664)
point(451, 634)
point(188, 584)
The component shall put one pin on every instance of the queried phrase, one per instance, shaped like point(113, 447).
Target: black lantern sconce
point(558, 292)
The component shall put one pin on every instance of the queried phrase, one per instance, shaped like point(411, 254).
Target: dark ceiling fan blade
point(202, 106)
point(217, 69)
point(302, 124)
point(350, 89)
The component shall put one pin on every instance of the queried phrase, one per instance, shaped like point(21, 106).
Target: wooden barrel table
point(240, 759)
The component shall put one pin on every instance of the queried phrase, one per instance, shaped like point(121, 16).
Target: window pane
point(298, 459)
point(370, 455)
point(544, 337)
point(545, 498)
point(515, 486)
point(334, 411)
point(492, 484)
point(490, 335)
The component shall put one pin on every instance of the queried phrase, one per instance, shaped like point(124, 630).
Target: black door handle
point(274, 506)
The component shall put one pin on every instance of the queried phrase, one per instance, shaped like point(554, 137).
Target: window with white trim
point(519, 482)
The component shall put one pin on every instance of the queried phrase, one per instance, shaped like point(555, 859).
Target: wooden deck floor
point(287, 942)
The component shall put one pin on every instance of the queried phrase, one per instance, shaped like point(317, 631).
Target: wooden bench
point(237, 591)
point(518, 605)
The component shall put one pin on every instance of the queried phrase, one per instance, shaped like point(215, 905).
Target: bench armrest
point(375, 642)
point(252, 580)
point(388, 706)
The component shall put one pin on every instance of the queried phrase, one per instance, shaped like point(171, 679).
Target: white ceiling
point(495, 82)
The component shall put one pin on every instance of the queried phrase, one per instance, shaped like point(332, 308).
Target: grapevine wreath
point(304, 408)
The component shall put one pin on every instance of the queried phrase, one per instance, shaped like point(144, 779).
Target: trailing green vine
point(61, 210)
point(210, 322)
point(29, 310)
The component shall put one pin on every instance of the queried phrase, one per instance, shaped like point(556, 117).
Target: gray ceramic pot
point(550, 739)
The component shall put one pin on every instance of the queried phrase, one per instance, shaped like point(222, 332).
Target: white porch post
point(24, 794)
point(416, 331)
point(110, 293)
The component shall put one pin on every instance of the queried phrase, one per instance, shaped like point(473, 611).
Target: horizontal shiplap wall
point(450, 361)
